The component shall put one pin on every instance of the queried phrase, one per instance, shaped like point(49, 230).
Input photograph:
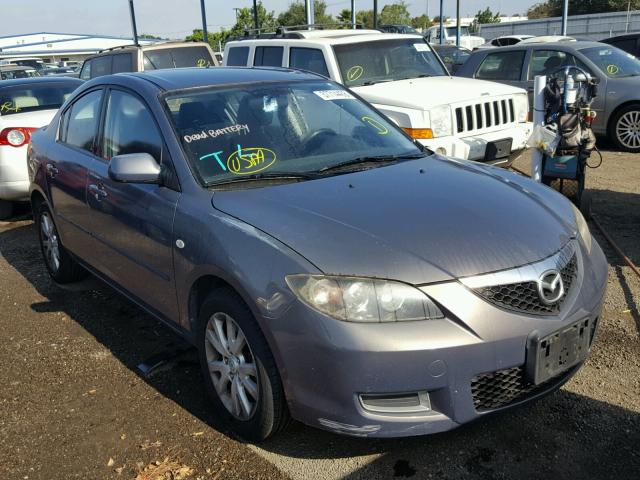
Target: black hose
point(600, 155)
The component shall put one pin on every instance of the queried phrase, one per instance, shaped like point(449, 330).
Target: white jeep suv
point(403, 78)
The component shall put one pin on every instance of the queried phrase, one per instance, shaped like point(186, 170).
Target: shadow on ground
point(562, 436)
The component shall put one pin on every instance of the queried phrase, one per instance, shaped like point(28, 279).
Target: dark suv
point(137, 58)
point(629, 42)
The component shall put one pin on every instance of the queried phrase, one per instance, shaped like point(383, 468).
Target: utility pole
point(375, 14)
point(353, 14)
point(565, 14)
point(132, 13)
point(308, 6)
point(458, 23)
point(256, 25)
point(441, 22)
point(205, 36)
point(236, 9)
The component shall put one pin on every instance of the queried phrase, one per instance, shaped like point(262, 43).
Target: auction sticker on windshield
point(421, 47)
point(334, 94)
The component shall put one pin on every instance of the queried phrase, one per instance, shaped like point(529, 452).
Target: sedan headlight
point(521, 104)
point(364, 300)
point(584, 234)
point(441, 123)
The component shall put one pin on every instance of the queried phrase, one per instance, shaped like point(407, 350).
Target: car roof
point(625, 35)
point(328, 37)
point(37, 80)
point(10, 67)
point(182, 78)
point(577, 45)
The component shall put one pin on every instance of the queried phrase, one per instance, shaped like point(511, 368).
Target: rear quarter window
point(502, 66)
point(268, 57)
point(237, 56)
point(122, 62)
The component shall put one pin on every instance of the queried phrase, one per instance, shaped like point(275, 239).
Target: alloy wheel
point(232, 366)
point(628, 129)
point(50, 242)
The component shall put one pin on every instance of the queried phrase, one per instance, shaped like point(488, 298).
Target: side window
point(502, 66)
point(237, 56)
point(101, 66)
point(310, 59)
point(85, 73)
point(547, 62)
point(83, 118)
point(130, 128)
point(122, 63)
point(268, 57)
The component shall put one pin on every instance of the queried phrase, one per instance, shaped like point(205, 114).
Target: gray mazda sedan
point(325, 266)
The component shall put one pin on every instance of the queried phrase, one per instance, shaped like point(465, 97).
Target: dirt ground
point(74, 405)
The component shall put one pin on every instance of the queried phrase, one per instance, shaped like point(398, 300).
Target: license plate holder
point(554, 354)
point(498, 149)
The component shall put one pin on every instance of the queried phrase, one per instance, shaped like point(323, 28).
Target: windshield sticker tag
point(214, 133)
point(612, 69)
point(334, 95)
point(270, 104)
point(245, 161)
point(217, 157)
point(8, 107)
point(354, 73)
point(380, 128)
point(201, 63)
point(421, 47)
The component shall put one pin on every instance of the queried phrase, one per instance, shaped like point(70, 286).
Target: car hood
point(426, 93)
point(419, 221)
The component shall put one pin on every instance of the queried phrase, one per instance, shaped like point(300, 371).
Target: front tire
point(624, 129)
point(6, 209)
point(60, 264)
point(239, 371)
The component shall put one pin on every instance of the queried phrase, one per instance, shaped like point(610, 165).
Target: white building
point(57, 47)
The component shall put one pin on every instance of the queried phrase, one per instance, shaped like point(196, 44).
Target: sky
point(177, 18)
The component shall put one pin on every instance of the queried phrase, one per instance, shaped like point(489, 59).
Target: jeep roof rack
point(290, 31)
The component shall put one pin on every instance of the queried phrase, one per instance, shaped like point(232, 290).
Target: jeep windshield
point(367, 63)
point(290, 131)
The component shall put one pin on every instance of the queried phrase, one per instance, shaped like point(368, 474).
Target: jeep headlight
point(441, 123)
point(584, 235)
point(365, 300)
point(521, 104)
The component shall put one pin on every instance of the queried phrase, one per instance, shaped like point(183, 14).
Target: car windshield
point(178, 57)
point(281, 129)
point(29, 98)
point(10, 74)
point(366, 63)
point(451, 31)
point(615, 63)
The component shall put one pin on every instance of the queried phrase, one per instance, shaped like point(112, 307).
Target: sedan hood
point(418, 221)
point(426, 93)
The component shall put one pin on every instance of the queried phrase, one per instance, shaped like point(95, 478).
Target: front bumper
point(474, 147)
point(327, 364)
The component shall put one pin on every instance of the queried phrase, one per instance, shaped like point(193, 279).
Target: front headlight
point(441, 123)
point(583, 229)
point(521, 104)
point(366, 300)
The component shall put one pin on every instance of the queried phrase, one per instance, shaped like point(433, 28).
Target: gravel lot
point(73, 405)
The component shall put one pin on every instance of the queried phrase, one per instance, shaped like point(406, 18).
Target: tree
point(147, 36)
point(487, 16)
point(216, 39)
point(295, 14)
point(365, 18)
point(423, 21)
point(266, 20)
point(395, 14)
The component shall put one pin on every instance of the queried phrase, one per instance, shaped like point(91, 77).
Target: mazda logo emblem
point(550, 287)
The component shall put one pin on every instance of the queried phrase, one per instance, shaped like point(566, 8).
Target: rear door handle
point(98, 192)
point(52, 170)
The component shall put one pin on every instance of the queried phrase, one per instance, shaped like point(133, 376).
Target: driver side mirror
point(134, 168)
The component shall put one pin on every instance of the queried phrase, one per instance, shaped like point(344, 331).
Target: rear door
point(133, 223)
point(66, 170)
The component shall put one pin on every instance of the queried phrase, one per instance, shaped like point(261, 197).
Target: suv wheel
point(239, 370)
point(6, 209)
point(60, 264)
point(624, 129)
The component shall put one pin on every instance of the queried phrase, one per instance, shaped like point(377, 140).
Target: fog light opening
point(398, 403)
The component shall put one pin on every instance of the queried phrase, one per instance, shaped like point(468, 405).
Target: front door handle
point(52, 170)
point(98, 192)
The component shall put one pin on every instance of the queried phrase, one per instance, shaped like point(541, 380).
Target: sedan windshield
point(614, 62)
point(366, 63)
point(299, 129)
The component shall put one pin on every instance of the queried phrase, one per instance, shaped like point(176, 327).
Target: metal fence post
point(538, 120)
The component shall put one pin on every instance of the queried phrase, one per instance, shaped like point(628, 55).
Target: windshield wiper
point(264, 176)
point(361, 162)
point(373, 82)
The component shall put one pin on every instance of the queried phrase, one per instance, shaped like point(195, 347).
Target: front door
point(66, 171)
point(133, 223)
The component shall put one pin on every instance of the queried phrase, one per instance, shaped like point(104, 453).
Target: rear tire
point(624, 128)
point(6, 209)
point(253, 366)
point(60, 264)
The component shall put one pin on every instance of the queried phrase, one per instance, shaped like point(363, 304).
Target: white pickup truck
point(403, 78)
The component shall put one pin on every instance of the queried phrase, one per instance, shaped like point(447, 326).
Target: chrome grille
point(484, 115)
